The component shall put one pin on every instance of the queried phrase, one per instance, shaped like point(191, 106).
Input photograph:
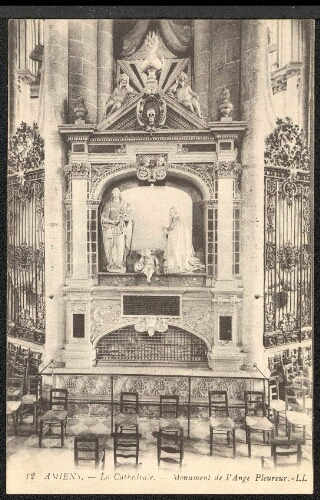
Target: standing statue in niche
point(184, 94)
point(121, 94)
point(117, 225)
point(179, 254)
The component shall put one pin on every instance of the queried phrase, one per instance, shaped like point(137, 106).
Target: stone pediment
point(177, 117)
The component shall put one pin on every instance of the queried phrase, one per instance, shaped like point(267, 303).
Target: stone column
point(83, 66)
point(202, 39)
point(225, 64)
point(225, 222)
point(254, 110)
point(78, 175)
point(12, 87)
point(105, 64)
point(56, 95)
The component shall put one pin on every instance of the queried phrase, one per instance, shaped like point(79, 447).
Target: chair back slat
point(58, 397)
point(14, 389)
point(218, 403)
point(129, 402)
point(283, 451)
point(273, 387)
point(255, 403)
point(291, 396)
point(169, 406)
point(86, 448)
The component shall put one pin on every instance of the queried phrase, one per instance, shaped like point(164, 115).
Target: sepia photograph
point(160, 256)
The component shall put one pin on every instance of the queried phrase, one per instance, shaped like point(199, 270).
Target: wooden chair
point(128, 418)
point(282, 453)
point(86, 449)
point(56, 415)
point(126, 445)
point(255, 417)
point(14, 400)
point(170, 435)
point(296, 415)
point(305, 384)
point(276, 405)
point(219, 420)
point(33, 397)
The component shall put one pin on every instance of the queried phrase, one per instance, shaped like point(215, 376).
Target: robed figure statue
point(179, 256)
point(117, 225)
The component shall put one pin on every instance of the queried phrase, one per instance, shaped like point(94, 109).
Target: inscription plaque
point(150, 305)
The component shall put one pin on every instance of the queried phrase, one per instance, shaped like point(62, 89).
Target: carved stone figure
point(179, 254)
point(117, 225)
point(120, 95)
point(184, 95)
point(148, 264)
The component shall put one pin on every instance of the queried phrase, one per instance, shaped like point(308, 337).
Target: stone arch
point(201, 178)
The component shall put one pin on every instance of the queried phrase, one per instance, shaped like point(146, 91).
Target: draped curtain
point(176, 35)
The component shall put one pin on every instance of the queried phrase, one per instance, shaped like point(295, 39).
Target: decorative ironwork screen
point(288, 280)
point(25, 270)
point(175, 345)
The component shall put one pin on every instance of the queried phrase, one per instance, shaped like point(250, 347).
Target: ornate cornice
point(78, 170)
point(280, 77)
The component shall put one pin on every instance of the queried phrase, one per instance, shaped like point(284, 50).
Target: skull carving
point(151, 114)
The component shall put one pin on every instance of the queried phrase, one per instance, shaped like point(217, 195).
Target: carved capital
point(227, 169)
point(78, 170)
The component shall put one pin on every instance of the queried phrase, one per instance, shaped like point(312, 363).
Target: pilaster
point(56, 92)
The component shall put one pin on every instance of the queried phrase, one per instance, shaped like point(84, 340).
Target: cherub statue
point(183, 94)
point(120, 95)
point(148, 264)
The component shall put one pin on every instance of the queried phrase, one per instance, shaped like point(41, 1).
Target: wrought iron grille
point(175, 345)
point(25, 250)
point(288, 278)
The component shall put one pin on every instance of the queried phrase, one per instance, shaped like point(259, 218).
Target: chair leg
point(62, 432)
point(40, 433)
point(249, 441)
point(246, 430)
point(234, 442)
point(228, 438)
point(181, 451)
point(264, 437)
point(14, 421)
point(211, 441)
point(159, 449)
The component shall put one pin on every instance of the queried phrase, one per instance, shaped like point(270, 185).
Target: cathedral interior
point(160, 237)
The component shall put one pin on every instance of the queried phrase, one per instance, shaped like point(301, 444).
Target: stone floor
point(51, 469)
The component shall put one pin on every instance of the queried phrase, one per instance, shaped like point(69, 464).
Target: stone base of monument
point(226, 358)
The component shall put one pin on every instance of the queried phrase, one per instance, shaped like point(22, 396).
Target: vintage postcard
point(160, 256)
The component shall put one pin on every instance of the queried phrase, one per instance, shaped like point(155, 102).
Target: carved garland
point(26, 150)
point(286, 147)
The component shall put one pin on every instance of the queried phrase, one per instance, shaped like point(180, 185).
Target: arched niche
point(150, 205)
